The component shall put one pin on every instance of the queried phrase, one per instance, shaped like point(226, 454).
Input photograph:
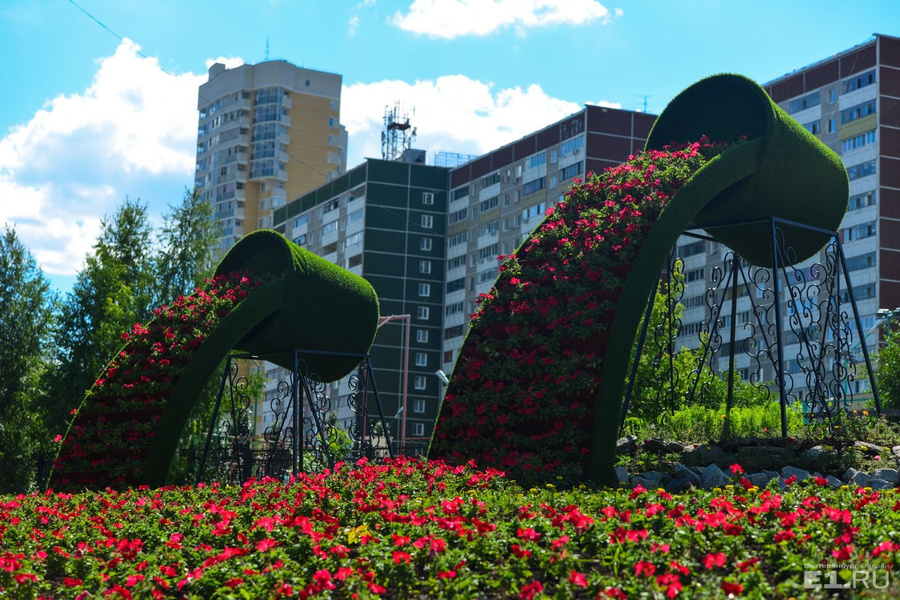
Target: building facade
point(267, 132)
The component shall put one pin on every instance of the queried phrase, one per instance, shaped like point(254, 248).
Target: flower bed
point(423, 529)
point(112, 432)
point(524, 388)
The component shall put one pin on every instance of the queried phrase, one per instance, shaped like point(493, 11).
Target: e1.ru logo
point(859, 578)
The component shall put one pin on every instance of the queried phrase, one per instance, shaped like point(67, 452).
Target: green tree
point(887, 371)
point(114, 290)
point(25, 331)
point(186, 243)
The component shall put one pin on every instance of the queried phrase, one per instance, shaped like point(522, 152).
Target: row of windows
point(863, 139)
point(860, 81)
point(863, 261)
point(455, 308)
point(861, 170)
point(858, 232)
point(490, 203)
point(858, 112)
point(454, 263)
point(534, 211)
point(458, 216)
point(489, 228)
point(861, 200)
point(805, 102)
point(534, 186)
point(572, 144)
point(569, 172)
point(490, 180)
point(692, 249)
point(537, 160)
point(694, 275)
point(459, 238)
point(489, 275)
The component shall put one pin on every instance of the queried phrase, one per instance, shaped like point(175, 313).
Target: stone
point(861, 479)
point(626, 445)
point(713, 477)
point(650, 480)
point(896, 451)
point(622, 474)
point(762, 479)
point(702, 454)
point(848, 474)
point(815, 453)
point(890, 475)
point(655, 445)
point(834, 482)
point(678, 486)
point(683, 472)
point(868, 448)
point(762, 456)
point(881, 484)
point(788, 472)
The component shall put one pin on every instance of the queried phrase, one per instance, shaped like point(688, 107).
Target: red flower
point(577, 579)
point(266, 544)
point(400, 557)
point(714, 560)
point(731, 588)
point(530, 590)
point(736, 469)
point(644, 568)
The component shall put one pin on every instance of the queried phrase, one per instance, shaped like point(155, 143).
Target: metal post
point(212, 422)
point(296, 405)
point(729, 399)
point(637, 356)
point(778, 325)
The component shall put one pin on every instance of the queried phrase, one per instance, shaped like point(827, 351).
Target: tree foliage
point(887, 371)
point(25, 325)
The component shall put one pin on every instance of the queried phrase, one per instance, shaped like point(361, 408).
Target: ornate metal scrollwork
point(301, 436)
point(807, 309)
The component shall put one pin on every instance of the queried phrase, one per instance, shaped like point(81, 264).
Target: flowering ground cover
point(410, 529)
point(110, 436)
point(524, 389)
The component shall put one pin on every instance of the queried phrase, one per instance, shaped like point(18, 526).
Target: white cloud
point(606, 104)
point(452, 113)
point(453, 18)
point(133, 131)
point(354, 20)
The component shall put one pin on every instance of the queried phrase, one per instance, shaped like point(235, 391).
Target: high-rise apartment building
point(267, 132)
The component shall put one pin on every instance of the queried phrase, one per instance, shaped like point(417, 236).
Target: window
point(425, 267)
point(537, 160)
point(490, 180)
point(331, 205)
point(570, 171)
point(460, 193)
point(571, 145)
point(418, 406)
point(805, 102)
point(418, 429)
point(695, 275)
point(858, 232)
point(489, 275)
point(424, 290)
point(691, 249)
point(422, 313)
point(420, 382)
point(456, 307)
point(355, 216)
point(422, 336)
point(456, 285)
point(331, 121)
point(864, 261)
point(533, 211)
point(554, 156)
point(859, 81)
point(861, 170)
point(552, 182)
point(300, 240)
point(489, 253)
point(425, 244)
point(353, 240)
point(488, 204)
point(533, 186)
point(832, 96)
point(861, 200)
point(427, 221)
point(458, 216)
point(812, 127)
point(421, 359)
point(328, 228)
point(832, 126)
point(448, 356)
point(858, 112)
point(427, 198)
point(455, 263)
point(452, 332)
point(459, 238)
point(863, 139)
point(489, 228)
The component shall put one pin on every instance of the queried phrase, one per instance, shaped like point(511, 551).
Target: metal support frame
point(817, 318)
point(300, 407)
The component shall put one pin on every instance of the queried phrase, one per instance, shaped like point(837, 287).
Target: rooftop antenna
point(645, 96)
point(267, 47)
point(397, 135)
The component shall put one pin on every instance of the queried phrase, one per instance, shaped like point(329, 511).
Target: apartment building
point(267, 132)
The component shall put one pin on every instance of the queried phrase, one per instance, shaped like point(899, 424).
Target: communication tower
point(398, 135)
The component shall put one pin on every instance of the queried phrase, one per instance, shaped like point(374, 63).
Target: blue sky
point(87, 118)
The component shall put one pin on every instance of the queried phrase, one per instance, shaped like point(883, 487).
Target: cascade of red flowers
point(111, 433)
point(523, 390)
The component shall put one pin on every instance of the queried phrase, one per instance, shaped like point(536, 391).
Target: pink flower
point(577, 579)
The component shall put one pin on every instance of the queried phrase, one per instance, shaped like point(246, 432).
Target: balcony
point(287, 102)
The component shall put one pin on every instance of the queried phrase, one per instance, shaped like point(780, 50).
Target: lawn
point(410, 529)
